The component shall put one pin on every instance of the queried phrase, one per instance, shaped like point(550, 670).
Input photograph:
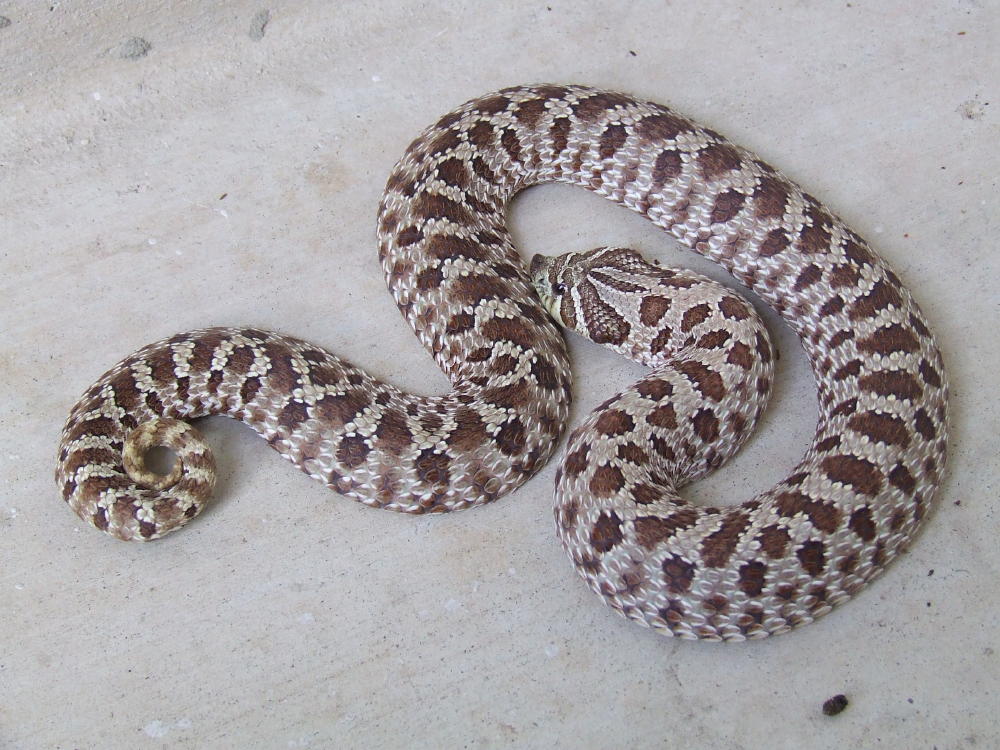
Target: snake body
point(746, 571)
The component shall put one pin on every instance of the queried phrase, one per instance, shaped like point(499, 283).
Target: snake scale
point(765, 566)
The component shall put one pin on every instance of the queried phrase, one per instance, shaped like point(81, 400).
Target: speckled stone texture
point(168, 166)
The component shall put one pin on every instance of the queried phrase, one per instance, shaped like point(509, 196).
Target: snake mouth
point(540, 265)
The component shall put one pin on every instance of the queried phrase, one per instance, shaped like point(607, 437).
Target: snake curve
point(765, 566)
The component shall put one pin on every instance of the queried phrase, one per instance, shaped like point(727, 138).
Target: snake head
point(565, 283)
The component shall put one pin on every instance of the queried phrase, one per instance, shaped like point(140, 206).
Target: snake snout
point(539, 269)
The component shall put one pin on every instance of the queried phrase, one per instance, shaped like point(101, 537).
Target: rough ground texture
point(169, 166)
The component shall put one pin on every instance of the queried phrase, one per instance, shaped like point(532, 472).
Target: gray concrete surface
point(169, 165)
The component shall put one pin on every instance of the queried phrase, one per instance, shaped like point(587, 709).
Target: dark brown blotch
point(844, 275)
point(249, 390)
point(393, 434)
point(432, 467)
point(530, 112)
point(652, 308)
point(652, 530)
point(727, 205)
point(706, 380)
point(832, 306)
point(492, 105)
point(668, 165)
point(654, 388)
point(719, 546)
point(718, 158)
point(774, 541)
point(661, 341)
point(741, 355)
point(901, 478)
point(775, 242)
point(881, 428)
point(814, 238)
point(478, 287)
point(607, 532)
point(429, 278)
point(733, 308)
point(509, 329)
point(435, 206)
point(769, 198)
point(812, 557)
point(849, 370)
point(606, 481)
point(752, 575)
point(924, 424)
point(859, 473)
point(559, 133)
point(281, 374)
point(633, 454)
point(353, 450)
point(896, 383)
point(444, 142)
point(824, 516)
point(714, 339)
point(645, 494)
point(695, 316)
point(809, 276)
point(511, 144)
point(881, 296)
point(469, 431)
point(161, 365)
point(453, 172)
point(706, 425)
point(460, 322)
point(858, 253)
point(861, 523)
point(614, 422)
point(893, 338)
point(678, 574)
point(930, 374)
point(545, 374)
point(294, 414)
point(612, 139)
point(663, 416)
point(594, 106)
point(575, 463)
point(510, 438)
point(662, 127)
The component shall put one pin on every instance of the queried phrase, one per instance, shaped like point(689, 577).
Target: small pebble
point(835, 705)
point(133, 48)
point(4, 22)
point(258, 23)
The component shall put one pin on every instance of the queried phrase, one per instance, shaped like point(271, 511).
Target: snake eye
point(559, 289)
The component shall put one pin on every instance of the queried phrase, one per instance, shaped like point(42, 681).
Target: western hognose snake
point(765, 566)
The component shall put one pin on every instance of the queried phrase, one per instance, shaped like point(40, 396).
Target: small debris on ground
point(972, 109)
point(835, 705)
point(258, 23)
point(133, 48)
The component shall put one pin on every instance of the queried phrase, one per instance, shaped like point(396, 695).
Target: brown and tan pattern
point(770, 564)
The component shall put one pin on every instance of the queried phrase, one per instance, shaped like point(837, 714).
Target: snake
point(493, 324)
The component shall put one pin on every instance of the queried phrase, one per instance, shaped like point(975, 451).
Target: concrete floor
point(165, 166)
